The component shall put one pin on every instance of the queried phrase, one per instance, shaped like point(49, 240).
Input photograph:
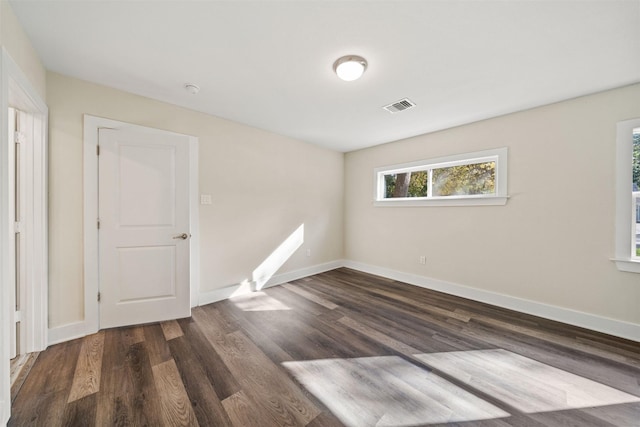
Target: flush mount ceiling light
point(192, 88)
point(350, 67)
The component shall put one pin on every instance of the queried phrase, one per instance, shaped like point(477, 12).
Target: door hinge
point(97, 150)
point(18, 137)
point(98, 223)
point(98, 296)
point(17, 227)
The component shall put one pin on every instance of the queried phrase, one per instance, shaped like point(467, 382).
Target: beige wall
point(263, 185)
point(551, 243)
point(18, 45)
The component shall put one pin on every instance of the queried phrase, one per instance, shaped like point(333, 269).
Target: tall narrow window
point(635, 195)
point(628, 196)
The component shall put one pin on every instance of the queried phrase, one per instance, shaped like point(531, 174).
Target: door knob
point(183, 236)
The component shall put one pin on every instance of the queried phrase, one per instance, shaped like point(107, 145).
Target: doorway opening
point(23, 219)
point(28, 220)
point(24, 130)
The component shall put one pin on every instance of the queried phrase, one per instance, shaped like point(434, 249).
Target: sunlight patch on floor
point(388, 391)
point(258, 301)
point(524, 383)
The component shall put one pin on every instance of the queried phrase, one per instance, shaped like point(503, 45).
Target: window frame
point(497, 155)
point(625, 210)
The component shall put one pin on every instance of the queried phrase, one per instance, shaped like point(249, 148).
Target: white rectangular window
point(478, 178)
point(635, 197)
point(628, 196)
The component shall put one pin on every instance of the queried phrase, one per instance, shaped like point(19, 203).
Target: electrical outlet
point(205, 199)
point(423, 259)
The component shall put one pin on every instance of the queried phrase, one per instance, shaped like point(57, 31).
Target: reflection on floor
point(20, 367)
point(523, 383)
point(258, 301)
point(391, 391)
point(388, 391)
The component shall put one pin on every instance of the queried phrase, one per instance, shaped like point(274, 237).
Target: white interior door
point(143, 205)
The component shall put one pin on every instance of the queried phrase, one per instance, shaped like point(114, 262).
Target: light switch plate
point(205, 199)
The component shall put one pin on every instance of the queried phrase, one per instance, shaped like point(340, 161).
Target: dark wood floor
point(339, 348)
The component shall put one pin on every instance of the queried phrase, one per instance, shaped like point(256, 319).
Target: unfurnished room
point(273, 213)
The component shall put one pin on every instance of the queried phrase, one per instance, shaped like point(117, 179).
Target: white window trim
point(499, 155)
point(624, 209)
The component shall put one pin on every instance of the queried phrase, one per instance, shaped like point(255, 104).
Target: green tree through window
point(478, 178)
point(472, 179)
point(636, 161)
point(410, 184)
point(636, 183)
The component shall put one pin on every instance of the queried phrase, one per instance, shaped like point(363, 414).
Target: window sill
point(628, 265)
point(446, 201)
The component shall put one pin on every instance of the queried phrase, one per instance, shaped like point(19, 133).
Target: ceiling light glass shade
point(350, 67)
point(192, 88)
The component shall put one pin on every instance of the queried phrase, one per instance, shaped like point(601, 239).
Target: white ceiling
point(269, 63)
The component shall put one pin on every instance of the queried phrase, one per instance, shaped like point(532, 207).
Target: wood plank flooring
point(339, 348)
point(20, 367)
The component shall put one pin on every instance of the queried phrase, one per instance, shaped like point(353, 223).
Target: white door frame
point(91, 256)
point(17, 91)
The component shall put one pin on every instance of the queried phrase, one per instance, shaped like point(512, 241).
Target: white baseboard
point(75, 330)
point(250, 286)
point(606, 325)
point(220, 294)
point(67, 332)
point(279, 279)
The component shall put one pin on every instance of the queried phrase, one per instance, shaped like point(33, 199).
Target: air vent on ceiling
point(396, 107)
